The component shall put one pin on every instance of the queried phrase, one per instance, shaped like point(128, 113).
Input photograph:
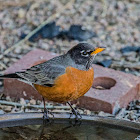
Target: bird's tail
point(13, 75)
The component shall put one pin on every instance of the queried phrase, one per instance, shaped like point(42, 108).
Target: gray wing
point(43, 74)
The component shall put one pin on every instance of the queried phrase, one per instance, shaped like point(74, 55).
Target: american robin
point(63, 78)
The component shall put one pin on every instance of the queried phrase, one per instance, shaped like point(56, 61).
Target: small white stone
point(21, 13)
point(22, 101)
point(8, 108)
point(8, 98)
point(24, 93)
point(1, 112)
point(32, 102)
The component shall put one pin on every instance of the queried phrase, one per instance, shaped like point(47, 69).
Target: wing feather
point(43, 74)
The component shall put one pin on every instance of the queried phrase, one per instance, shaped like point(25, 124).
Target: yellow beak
point(97, 50)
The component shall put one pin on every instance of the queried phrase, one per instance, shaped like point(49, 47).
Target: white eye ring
point(84, 53)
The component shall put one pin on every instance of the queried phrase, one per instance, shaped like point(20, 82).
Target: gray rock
point(1, 112)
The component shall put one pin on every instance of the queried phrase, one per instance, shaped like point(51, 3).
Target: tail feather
point(13, 75)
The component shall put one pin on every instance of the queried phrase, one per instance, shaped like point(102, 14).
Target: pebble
point(5, 60)
point(32, 102)
point(27, 101)
point(8, 98)
point(1, 112)
point(101, 113)
point(8, 108)
point(21, 13)
point(18, 50)
point(80, 111)
point(129, 54)
point(22, 101)
point(38, 102)
point(131, 59)
point(24, 93)
point(43, 44)
point(88, 112)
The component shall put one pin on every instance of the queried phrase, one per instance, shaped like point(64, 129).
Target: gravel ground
point(116, 23)
point(8, 105)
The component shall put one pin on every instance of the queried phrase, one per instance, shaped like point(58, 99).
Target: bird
point(63, 78)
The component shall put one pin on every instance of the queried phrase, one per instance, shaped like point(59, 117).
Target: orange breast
point(69, 86)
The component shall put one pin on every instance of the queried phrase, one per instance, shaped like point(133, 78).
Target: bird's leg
point(46, 112)
point(45, 115)
point(75, 112)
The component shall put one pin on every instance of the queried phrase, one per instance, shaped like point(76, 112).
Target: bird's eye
point(84, 53)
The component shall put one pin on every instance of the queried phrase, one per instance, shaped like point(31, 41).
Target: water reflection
point(52, 131)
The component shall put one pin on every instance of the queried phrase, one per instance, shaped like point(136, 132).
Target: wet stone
point(105, 63)
point(77, 32)
point(49, 31)
point(130, 49)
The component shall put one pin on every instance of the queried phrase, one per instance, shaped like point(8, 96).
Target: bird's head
point(84, 54)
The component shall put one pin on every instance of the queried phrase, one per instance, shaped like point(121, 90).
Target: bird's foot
point(46, 115)
point(76, 114)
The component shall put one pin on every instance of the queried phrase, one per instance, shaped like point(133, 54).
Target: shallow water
point(65, 132)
